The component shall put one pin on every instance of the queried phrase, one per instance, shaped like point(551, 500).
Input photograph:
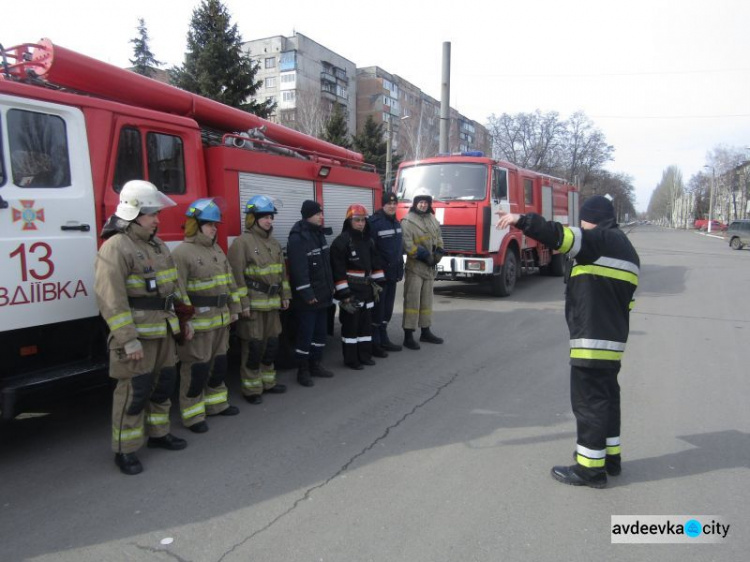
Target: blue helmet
point(260, 204)
point(205, 210)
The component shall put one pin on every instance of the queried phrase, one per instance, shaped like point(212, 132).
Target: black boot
point(378, 351)
point(128, 463)
point(387, 344)
point(429, 337)
point(577, 475)
point(303, 373)
point(612, 464)
point(409, 340)
point(318, 370)
point(169, 442)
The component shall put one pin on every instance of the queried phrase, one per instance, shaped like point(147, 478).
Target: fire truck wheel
point(504, 281)
point(557, 265)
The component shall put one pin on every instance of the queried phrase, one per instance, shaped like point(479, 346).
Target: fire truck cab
point(468, 190)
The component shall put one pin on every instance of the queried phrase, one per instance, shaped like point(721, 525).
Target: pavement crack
point(345, 466)
point(159, 551)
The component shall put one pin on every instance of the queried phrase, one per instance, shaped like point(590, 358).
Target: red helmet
point(356, 210)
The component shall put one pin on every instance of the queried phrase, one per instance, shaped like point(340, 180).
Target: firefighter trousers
point(203, 369)
point(141, 399)
point(383, 312)
point(259, 338)
point(356, 334)
point(312, 328)
point(595, 397)
point(417, 301)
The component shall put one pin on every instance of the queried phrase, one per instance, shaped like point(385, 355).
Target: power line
point(609, 74)
point(670, 116)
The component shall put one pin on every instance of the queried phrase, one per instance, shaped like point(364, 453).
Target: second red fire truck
point(467, 190)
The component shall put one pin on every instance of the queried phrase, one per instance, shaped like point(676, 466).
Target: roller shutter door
point(337, 199)
point(290, 192)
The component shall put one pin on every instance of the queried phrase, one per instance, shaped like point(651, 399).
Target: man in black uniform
point(312, 291)
point(599, 296)
point(356, 267)
point(385, 230)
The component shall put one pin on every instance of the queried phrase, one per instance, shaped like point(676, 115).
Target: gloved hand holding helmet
point(141, 197)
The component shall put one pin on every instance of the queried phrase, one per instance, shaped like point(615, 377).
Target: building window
point(288, 95)
point(288, 61)
point(270, 82)
point(288, 77)
point(270, 62)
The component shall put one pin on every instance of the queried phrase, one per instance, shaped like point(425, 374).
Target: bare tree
point(311, 115)
point(529, 140)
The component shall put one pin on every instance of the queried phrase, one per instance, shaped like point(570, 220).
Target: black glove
point(424, 255)
point(439, 254)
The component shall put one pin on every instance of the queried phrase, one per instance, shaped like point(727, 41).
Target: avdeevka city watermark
point(669, 529)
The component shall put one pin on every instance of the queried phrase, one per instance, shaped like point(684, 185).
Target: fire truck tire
point(557, 265)
point(504, 281)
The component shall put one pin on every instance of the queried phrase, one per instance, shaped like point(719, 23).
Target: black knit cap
point(389, 197)
point(310, 208)
point(597, 209)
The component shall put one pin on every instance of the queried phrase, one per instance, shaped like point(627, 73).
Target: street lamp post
point(711, 198)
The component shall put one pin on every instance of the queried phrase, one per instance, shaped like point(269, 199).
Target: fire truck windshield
point(446, 182)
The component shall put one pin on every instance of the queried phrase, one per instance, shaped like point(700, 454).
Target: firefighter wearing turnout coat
point(137, 289)
point(356, 273)
point(423, 245)
point(204, 271)
point(312, 291)
point(260, 272)
point(598, 299)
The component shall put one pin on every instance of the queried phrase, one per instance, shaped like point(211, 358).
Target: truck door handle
point(81, 227)
point(3, 203)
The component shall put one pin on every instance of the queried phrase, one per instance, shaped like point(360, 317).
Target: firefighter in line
point(260, 272)
point(356, 273)
point(204, 271)
point(137, 288)
point(312, 291)
point(385, 230)
point(598, 299)
point(423, 245)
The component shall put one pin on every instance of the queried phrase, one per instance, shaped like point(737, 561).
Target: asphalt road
point(437, 455)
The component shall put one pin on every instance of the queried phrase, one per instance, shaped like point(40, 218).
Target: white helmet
point(139, 196)
point(421, 192)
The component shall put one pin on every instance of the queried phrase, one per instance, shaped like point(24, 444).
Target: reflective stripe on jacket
point(129, 264)
point(257, 255)
point(204, 271)
point(600, 289)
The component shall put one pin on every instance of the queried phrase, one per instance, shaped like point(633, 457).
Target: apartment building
point(305, 79)
point(414, 116)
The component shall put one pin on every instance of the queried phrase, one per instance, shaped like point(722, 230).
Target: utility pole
point(388, 153)
point(445, 99)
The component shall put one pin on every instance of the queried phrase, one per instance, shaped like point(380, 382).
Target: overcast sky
point(666, 81)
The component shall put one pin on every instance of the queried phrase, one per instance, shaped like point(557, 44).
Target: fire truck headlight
point(474, 265)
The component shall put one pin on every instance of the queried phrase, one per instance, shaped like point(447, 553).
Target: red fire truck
point(73, 130)
point(467, 190)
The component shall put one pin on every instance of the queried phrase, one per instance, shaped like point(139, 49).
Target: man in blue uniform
point(312, 291)
point(385, 230)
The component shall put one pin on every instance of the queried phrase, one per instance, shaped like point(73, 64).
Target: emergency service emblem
point(28, 215)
